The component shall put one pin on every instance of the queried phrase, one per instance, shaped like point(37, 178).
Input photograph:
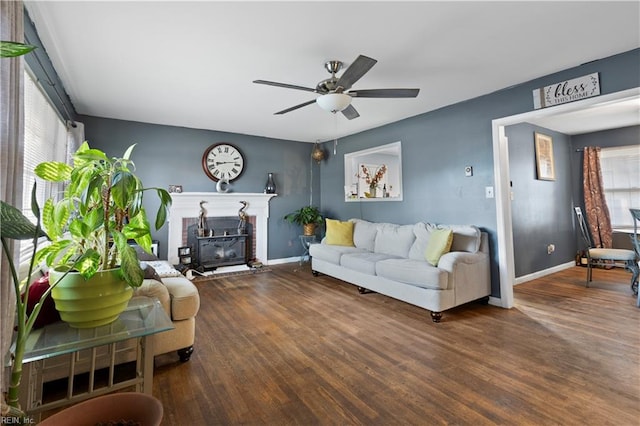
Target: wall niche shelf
point(369, 161)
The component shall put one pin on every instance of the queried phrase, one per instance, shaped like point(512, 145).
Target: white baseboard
point(282, 260)
point(543, 273)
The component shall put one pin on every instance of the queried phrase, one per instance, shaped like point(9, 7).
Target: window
point(621, 181)
point(45, 139)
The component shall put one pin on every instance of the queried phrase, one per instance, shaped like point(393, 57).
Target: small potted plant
point(308, 217)
point(90, 227)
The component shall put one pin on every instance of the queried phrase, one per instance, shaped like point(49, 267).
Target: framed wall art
point(545, 167)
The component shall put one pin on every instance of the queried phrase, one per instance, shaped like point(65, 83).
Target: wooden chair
point(607, 257)
point(635, 240)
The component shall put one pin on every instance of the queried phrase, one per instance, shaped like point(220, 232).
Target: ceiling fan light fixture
point(333, 102)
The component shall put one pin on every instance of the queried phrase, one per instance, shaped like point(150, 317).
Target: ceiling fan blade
point(350, 112)
point(385, 93)
point(356, 70)
point(284, 111)
point(285, 85)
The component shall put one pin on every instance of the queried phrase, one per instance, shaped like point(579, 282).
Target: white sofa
point(390, 259)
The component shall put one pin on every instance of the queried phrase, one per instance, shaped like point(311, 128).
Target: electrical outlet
point(488, 191)
point(551, 248)
point(468, 171)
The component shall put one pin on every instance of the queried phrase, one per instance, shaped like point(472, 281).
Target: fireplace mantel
point(187, 205)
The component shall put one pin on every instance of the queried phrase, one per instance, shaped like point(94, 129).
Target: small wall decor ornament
point(223, 186)
point(317, 153)
point(270, 187)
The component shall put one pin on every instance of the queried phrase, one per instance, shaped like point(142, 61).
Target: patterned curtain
point(595, 205)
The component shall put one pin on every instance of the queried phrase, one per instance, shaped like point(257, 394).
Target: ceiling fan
point(335, 93)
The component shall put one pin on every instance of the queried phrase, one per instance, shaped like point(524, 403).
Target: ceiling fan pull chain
point(335, 132)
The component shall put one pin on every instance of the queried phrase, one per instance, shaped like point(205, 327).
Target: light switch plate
point(488, 191)
point(468, 171)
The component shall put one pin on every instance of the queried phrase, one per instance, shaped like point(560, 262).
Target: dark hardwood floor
point(284, 348)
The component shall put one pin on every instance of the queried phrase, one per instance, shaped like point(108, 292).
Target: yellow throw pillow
point(439, 243)
point(339, 233)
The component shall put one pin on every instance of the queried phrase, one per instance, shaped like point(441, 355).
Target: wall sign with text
point(567, 91)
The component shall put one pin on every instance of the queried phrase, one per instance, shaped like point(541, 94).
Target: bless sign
point(567, 91)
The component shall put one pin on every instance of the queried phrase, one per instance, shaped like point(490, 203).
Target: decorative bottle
point(270, 187)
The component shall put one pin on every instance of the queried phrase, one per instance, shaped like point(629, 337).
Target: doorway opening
point(504, 220)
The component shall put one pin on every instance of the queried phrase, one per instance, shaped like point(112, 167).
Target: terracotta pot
point(131, 406)
point(90, 303)
point(309, 228)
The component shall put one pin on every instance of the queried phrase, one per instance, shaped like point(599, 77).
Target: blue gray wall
point(541, 210)
point(166, 155)
point(437, 145)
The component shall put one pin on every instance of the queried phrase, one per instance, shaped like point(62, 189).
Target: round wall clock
point(222, 161)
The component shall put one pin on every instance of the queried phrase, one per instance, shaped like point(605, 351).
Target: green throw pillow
point(439, 243)
point(339, 233)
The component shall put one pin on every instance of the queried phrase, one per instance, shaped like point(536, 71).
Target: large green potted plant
point(90, 227)
point(308, 217)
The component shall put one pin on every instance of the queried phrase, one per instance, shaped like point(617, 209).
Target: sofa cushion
point(330, 253)
point(414, 272)
point(439, 244)
point(339, 233)
point(465, 238)
point(143, 255)
point(364, 262)
point(393, 239)
point(48, 313)
point(150, 273)
point(422, 233)
point(364, 234)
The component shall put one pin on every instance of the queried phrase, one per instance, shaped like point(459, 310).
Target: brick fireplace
point(185, 209)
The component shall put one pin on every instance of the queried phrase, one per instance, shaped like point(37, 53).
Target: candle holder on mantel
point(270, 187)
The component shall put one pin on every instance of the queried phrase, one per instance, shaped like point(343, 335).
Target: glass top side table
point(142, 318)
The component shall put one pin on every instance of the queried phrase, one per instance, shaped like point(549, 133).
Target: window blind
point(45, 139)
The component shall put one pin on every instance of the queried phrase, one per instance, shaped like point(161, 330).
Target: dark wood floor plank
point(286, 348)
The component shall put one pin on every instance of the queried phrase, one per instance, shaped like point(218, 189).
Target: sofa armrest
point(448, 261)
point(469, 274)
point(185, 298)
point(154, 288)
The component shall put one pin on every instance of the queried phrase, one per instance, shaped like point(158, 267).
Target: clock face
point(222, 161)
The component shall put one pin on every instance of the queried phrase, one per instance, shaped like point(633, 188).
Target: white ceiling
point(192, 64)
